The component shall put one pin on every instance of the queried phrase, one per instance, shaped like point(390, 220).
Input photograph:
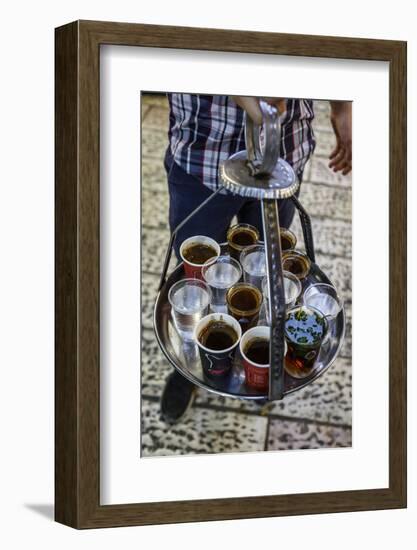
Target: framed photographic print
point(230, 274)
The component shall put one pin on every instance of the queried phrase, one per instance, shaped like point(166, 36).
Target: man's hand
point(251, 106)
point(341, 118)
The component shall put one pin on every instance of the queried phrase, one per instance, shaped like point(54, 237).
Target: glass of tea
point(190, 302)
point(240, 236)
point(254, 348)
point(244, 302)
point(292, 291)
point(305, 331)
point(253, 262)
point(217, 336)
point(297, 263)
point(220, 275)
point(195, 251)
point(288, 239)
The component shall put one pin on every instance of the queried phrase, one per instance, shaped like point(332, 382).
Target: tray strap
point(174, 234)
point(307, 231)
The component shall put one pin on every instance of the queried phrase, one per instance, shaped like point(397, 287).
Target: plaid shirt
point(204, 130)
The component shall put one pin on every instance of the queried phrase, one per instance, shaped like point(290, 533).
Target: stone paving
point(316, 416)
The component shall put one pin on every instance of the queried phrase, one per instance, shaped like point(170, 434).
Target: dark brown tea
point(244, 299)
point(286, 242)
point(243, 237)
point(218, 335)
point(243, 303)
point(257, 351)
point(288, 239)
point(239, 237)
point(199, 253)
point(296, 263)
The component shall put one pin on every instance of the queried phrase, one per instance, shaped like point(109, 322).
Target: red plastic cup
point(256, 375)
point(193, 270)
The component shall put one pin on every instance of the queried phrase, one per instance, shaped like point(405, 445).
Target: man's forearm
point(338, 106)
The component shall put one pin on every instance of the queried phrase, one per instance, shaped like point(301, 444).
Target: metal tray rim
point(253, 397)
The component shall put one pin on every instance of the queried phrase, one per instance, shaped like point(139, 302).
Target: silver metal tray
point(185, 358)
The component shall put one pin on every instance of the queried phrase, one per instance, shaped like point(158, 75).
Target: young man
point(205, 130)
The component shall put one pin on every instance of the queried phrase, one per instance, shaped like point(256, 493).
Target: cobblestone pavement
point(316, 416)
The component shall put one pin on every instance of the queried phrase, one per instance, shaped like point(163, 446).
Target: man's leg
point(251, 212)
point(186, 193)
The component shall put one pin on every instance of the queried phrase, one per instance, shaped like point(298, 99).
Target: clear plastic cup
point(297, 263)
point(253, 262)
point(190, 302)
point(325, 298)
point(288, 239)
point(220, 275)
point(292, 291)
point(240, 236)
point(244, 302)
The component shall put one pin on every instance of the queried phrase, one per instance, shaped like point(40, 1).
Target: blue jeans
point(186, 192)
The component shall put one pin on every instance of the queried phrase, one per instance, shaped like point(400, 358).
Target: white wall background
point(26, 273)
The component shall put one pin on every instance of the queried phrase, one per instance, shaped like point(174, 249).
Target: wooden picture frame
point(77, 372)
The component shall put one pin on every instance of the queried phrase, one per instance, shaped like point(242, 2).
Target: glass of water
point(292, 290)
point(190, 302)
point(325, 298)
point(253, 262)
point(220, 275)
